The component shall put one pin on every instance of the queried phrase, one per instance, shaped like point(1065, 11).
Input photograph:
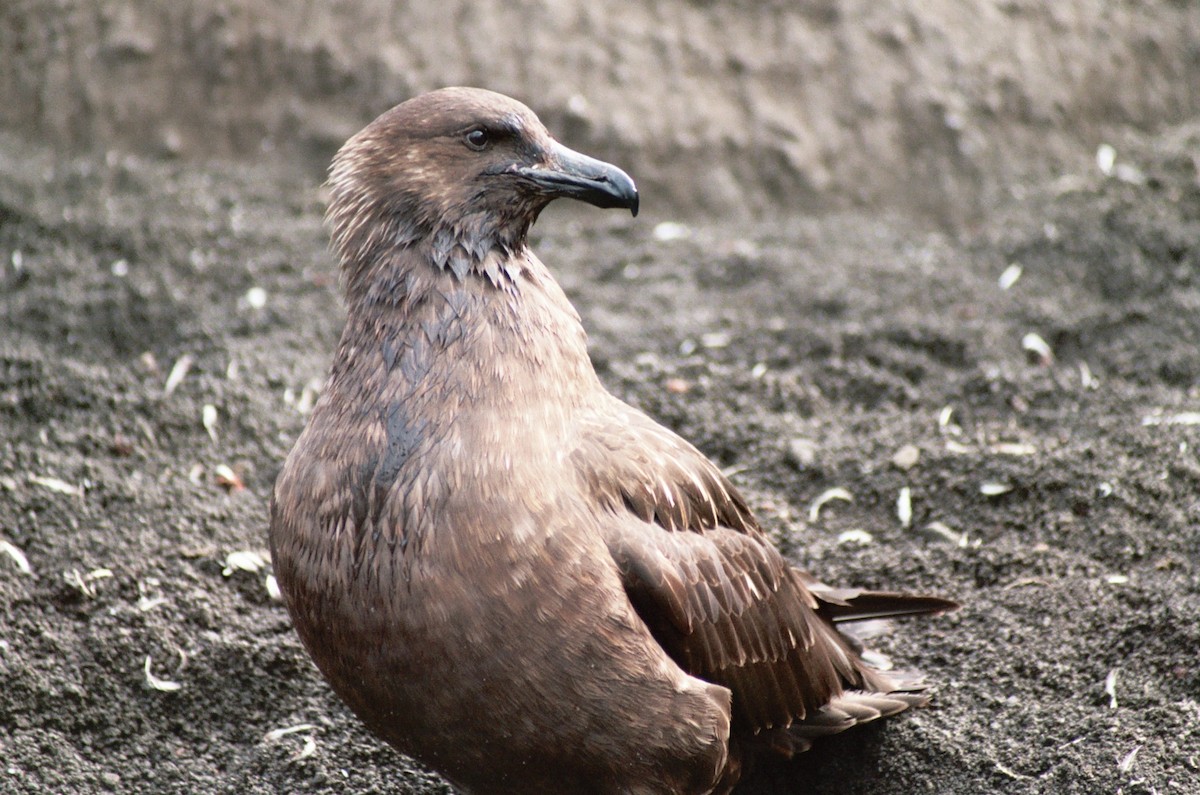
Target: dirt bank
point(165, 320)
point(726, 107)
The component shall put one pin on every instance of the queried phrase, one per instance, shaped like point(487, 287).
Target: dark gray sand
point(1054, 492)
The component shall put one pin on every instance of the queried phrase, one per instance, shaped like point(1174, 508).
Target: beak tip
point(568, 173)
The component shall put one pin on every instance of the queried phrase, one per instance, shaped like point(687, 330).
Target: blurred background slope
point(719, 107)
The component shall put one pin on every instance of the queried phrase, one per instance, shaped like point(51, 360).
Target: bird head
point(460, 167)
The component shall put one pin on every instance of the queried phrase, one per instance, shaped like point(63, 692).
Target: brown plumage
point(506, 572)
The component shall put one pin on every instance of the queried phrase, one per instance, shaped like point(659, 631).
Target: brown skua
point(506, 572)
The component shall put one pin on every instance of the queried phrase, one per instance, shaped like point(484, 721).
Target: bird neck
point(477, 243)
point(502, 324)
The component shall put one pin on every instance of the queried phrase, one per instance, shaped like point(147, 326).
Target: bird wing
point(712, 589)
point(631, 464)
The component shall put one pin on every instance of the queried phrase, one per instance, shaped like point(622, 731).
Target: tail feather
point(854, 604)
point(852, 708)
point(875, 691)
point(873, 605)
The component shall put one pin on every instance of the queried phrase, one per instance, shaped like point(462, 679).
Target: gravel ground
point(1054, 480)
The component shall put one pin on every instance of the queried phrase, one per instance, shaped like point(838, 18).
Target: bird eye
point(478, 140)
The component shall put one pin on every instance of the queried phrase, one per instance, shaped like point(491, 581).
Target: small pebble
point(256, 297)
point(802, 453)
point(906, 457)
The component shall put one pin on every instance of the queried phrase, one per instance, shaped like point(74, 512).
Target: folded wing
point(717, 595)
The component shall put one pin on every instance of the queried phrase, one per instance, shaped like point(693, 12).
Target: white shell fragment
point(837, 493)
point(577, 104)
point(278, 734)
point(310, 748)
point(10, 549)
point(309, 395)
point(1106, 158)
point(243, 560)
point(227, 478)
point(1033, 343)
point(1116, 579)
point(994, 489)
point(1183, 418)
point(904, 507)
point(1126, 763)
point(310, 743)
point(165, 685)
point(1110, 688)
point(1127, 172)
point(667, 231)
point(1010, 275)
point(256, 298)
point(860, 538)
point(54, 484)
point(83, 582)
point(196, 474)
point(939, 531)
point(208, 418)
point(75, 580)
point(147, 603)
point(906, 457)
point(1014, 448)
point(273, 590)
point(802, 452)
point(1086, 379)
point(178, 372)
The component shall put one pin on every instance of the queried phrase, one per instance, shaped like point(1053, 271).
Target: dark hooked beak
point(577, 176)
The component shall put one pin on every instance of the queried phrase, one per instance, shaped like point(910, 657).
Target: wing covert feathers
point(722, 601)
